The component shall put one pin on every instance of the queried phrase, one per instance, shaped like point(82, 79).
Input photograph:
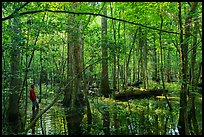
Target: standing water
point(135, 117)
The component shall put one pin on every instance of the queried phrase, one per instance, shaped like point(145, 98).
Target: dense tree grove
point(89, 57)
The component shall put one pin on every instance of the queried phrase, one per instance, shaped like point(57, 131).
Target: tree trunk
point(129, 55)
point(74, 95)
point(161, 69)
point(169, 76)
point(140, 61)
point(126, 68)
point(68, 91)
point(104, 72)
point(118, 56)
point(114, 53)
point(192, 113)
point(134, 64)
point(26, 81)
point(85, 89)
point(145, 54)
point(40, 84)
point(13, 110)
point(161, 49)
point(155, 73)
point(183, 117)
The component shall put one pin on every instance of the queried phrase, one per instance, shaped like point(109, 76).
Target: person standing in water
point(33, 99)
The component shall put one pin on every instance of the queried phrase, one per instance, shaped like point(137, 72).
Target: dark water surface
point(135, 117)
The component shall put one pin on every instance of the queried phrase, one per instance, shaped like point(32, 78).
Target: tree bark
point(169, 75)
point(85, 89)
point(75, 96)
point(155, 73)
point(192, 80)
point(118, 56)
point(161, 49)
point(183, 117)
point(145, 54)
point(13, 110)
point(141, 58)
point(105, 90)
point(114, 54)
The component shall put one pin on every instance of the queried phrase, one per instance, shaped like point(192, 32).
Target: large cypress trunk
point(75, 102)
point(13, 110)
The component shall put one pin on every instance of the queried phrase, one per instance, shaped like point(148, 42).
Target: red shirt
point(32, 94)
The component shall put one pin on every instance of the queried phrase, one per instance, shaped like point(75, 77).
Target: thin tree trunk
point(161, 69)
point(145, 54)
point(40, 84)
point(130, 52)
point(85, 89)
point(114, 54)
point(169, 77)
point(26, 81)
point(141, 59)
point(155, 74)
point(134, 64)
point(125, 58)
point(161, 59)
point(118, 55)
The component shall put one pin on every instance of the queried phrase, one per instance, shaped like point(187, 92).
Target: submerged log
point(138, 93)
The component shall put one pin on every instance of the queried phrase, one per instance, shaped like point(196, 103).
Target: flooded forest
point(101, 68)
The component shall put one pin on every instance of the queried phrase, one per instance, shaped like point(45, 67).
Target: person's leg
point(36, 105)
point(33, 107)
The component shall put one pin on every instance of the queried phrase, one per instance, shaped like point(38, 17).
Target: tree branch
point(88, 13)
point(18, 9)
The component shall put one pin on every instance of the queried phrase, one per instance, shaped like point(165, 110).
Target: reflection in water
point(52, 122)
point(152, 120)
point(74, 119)
point(174, 131)
point(34, 113)
point(41, 125)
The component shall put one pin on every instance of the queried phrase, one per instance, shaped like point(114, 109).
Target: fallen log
point(135, 84)
point(169, 98)
point(139, 93)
